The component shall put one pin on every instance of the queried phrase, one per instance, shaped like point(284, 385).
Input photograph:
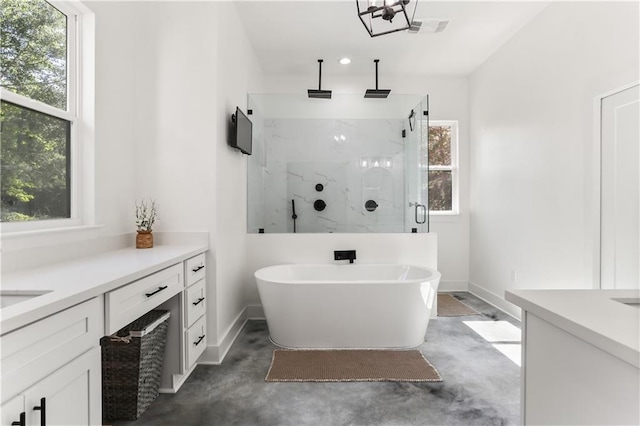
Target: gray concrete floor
point(481, 386)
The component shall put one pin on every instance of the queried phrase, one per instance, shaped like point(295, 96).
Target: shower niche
point(345, 164)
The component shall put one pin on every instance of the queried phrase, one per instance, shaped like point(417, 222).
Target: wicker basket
point(132, 365)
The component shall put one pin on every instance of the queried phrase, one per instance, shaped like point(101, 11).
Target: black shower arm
point(376, 62)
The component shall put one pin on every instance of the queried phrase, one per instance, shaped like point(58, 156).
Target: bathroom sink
point(634, 303)
point(9, 298)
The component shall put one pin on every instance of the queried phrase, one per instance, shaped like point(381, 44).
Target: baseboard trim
point(446, 286)
point(495, 300)
point(177, 381)
point(255, 312)
point(214, 355)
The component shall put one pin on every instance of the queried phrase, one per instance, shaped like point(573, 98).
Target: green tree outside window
point(34, 146)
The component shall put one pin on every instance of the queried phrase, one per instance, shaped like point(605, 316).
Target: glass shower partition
point(416, 162)
point(345, 164)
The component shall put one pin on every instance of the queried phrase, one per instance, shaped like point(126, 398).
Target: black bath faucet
point(344, 255)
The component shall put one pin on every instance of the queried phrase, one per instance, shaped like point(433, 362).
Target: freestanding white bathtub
point(347, 306)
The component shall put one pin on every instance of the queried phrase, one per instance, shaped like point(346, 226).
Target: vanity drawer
point(131, 301)
point(196, 340)
point(195, 269)
point(195, 302)
point(38, 349)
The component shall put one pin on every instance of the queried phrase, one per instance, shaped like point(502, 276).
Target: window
point(440, 163)
point(39, 89)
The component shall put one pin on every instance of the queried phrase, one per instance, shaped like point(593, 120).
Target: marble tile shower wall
point(354, 160)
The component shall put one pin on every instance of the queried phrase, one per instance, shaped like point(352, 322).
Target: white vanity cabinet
point(130, 302)
point(51, 369)
point(580, 357)
point(50, 345)
point(195, 310)
point(66, 397)
point(12, 412)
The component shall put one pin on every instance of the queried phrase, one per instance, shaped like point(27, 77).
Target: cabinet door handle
point(197, 268)
point(197, 302)
point(43, 411)
point(23, 420)
point(157, 291)
point(197, 342)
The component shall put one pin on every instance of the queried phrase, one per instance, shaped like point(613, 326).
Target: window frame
point(453, 168)
point(79, 114)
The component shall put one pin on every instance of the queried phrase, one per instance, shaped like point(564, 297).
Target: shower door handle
point(424, 213)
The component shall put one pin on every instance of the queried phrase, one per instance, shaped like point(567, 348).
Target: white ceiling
point(289, 36)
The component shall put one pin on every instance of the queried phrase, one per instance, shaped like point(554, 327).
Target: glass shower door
point(416, 162)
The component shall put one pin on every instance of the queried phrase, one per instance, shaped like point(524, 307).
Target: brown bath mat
point(350, 365)
point(449, 306)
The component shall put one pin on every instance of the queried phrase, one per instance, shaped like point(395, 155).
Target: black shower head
point(319, 94)
point(377, 93)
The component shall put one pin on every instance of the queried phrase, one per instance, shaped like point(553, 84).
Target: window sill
point(18, 240)
point(442, 217)
point(35, 232)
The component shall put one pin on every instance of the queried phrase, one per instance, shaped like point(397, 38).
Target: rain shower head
point(319, 93)
point(377, 93)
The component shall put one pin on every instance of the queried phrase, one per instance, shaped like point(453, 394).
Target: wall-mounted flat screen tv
point(241, 132)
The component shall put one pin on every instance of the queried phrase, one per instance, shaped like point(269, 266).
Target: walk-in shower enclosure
point(345, 164)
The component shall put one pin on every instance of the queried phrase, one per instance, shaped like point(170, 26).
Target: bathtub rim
point(435, 274)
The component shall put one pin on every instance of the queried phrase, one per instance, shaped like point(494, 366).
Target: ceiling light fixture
point(345, 61)
point(381, 17)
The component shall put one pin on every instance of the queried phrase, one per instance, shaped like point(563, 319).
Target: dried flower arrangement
point(146, 215)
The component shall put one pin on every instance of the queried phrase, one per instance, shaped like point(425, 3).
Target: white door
point(620, 190)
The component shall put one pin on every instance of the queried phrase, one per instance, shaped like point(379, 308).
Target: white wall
point(239, 75)
point(531, 106)
point(114, 137)
point(168, 88)
point(170, 79)
point(448, 100)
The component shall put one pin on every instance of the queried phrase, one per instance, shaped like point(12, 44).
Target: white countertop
point(592, 315)
point(72, 282)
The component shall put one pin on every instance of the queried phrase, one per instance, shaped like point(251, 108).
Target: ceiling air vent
point(428, 26)
point(415, 27)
